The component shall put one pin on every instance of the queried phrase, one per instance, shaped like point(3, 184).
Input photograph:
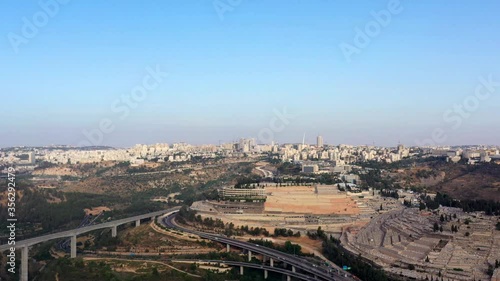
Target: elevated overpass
point(312, 270)
point(113, 225)
point(265, 268)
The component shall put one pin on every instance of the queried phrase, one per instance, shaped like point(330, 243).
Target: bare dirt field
point(56, 171)
point(303, 199)
point(96, 210)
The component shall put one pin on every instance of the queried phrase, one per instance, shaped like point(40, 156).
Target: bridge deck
point(79, 231)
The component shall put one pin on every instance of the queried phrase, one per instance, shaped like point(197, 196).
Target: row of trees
point(248, 181)
point(363, 270)
point(436, 227)
point(444, 217)
point(288, 248)
point(229, 229)
point(307, 179)
point(389, 193)
point(319, 234)
point(285, 232)
point(490, 207)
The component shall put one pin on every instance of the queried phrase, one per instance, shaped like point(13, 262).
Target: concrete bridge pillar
point(73, 246)
point(264, 259)
point(249, 255)
point(137, 223)
point(228, 248)
point(293, 269)
point(241, 270)
point(24, 263)
point(113, 231)
point(288, 278)
point(271, 262)
point(284, 265)
point(265, 274)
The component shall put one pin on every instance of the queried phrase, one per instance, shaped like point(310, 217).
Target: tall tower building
point(31, 157)
point(400, 147)
point(319, 141)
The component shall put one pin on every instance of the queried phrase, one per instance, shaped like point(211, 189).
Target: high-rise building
point(31, 157)
point(401, 147)
point(319, 141)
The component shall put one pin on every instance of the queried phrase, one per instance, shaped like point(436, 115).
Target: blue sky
point(227, 75)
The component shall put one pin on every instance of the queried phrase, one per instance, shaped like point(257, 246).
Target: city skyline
point(224, 76)
point(307, 142)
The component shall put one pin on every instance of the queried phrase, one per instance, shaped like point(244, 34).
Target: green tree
point(321, 233)
point(435, 227)
point(422, 206)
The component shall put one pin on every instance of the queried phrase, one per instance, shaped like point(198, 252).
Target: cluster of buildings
point(177, 152)
point(311, 156)
point(138, 154)
point(470, 154)
point(343, 154)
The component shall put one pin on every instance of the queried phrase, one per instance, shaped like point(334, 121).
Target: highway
point(255, 266)
point(299, 263)
point(312, 271)
point(266, 173)
point(78, 231)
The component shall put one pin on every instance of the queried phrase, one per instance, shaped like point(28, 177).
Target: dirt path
point(155, 262)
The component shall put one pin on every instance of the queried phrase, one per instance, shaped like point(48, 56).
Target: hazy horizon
point(230, 72)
